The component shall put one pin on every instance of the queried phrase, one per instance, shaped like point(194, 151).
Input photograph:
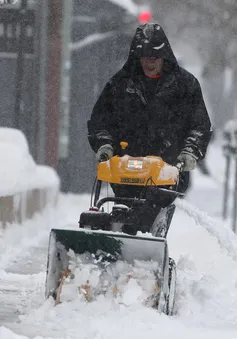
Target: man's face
point(151, 66)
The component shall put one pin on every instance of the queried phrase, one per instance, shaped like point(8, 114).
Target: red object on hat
point(144, 17)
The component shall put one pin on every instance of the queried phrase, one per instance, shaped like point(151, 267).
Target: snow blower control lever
point(123, 145)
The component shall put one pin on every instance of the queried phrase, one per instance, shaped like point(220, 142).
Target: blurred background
point(57, 55)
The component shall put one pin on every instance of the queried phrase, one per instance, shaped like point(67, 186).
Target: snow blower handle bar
point(180, 166)
point(103, 157)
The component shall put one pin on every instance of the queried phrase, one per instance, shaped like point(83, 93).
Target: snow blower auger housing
point(112, 237)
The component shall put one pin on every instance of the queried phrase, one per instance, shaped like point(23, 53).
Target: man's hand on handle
point(186, 162)
point(104, 153)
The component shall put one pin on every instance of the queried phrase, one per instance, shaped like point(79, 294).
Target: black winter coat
point(155, 116)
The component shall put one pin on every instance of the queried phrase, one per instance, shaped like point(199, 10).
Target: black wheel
point(170, 301)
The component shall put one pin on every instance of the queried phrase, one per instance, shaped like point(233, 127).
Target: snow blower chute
point(107, 240)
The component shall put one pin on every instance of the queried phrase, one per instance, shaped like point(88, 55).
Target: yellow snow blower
point(105, 238)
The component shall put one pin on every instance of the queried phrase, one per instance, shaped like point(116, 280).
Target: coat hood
point(149, 40)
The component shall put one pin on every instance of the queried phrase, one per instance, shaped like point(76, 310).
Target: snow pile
point(14, 137)
point(222, 233)
point(18, 171)
point(121, 282)
point(212, 295)
point(205, 253)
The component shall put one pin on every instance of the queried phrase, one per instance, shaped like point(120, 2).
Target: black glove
point(188, 160)
point(104, 153)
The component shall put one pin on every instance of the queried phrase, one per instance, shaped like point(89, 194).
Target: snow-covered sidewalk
point(206, 283)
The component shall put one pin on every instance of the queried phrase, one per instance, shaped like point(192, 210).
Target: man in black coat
point(154, 105)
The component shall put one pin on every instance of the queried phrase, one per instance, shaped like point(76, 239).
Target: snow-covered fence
point(230, 153)
point(25, 188)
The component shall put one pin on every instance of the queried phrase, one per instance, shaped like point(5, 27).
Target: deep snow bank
point(25, 187)
point(18, 170)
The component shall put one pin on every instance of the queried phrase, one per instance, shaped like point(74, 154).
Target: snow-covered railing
point(25, 188)
point(230, 153)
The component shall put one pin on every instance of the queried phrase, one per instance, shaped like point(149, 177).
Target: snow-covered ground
point(203, 246)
